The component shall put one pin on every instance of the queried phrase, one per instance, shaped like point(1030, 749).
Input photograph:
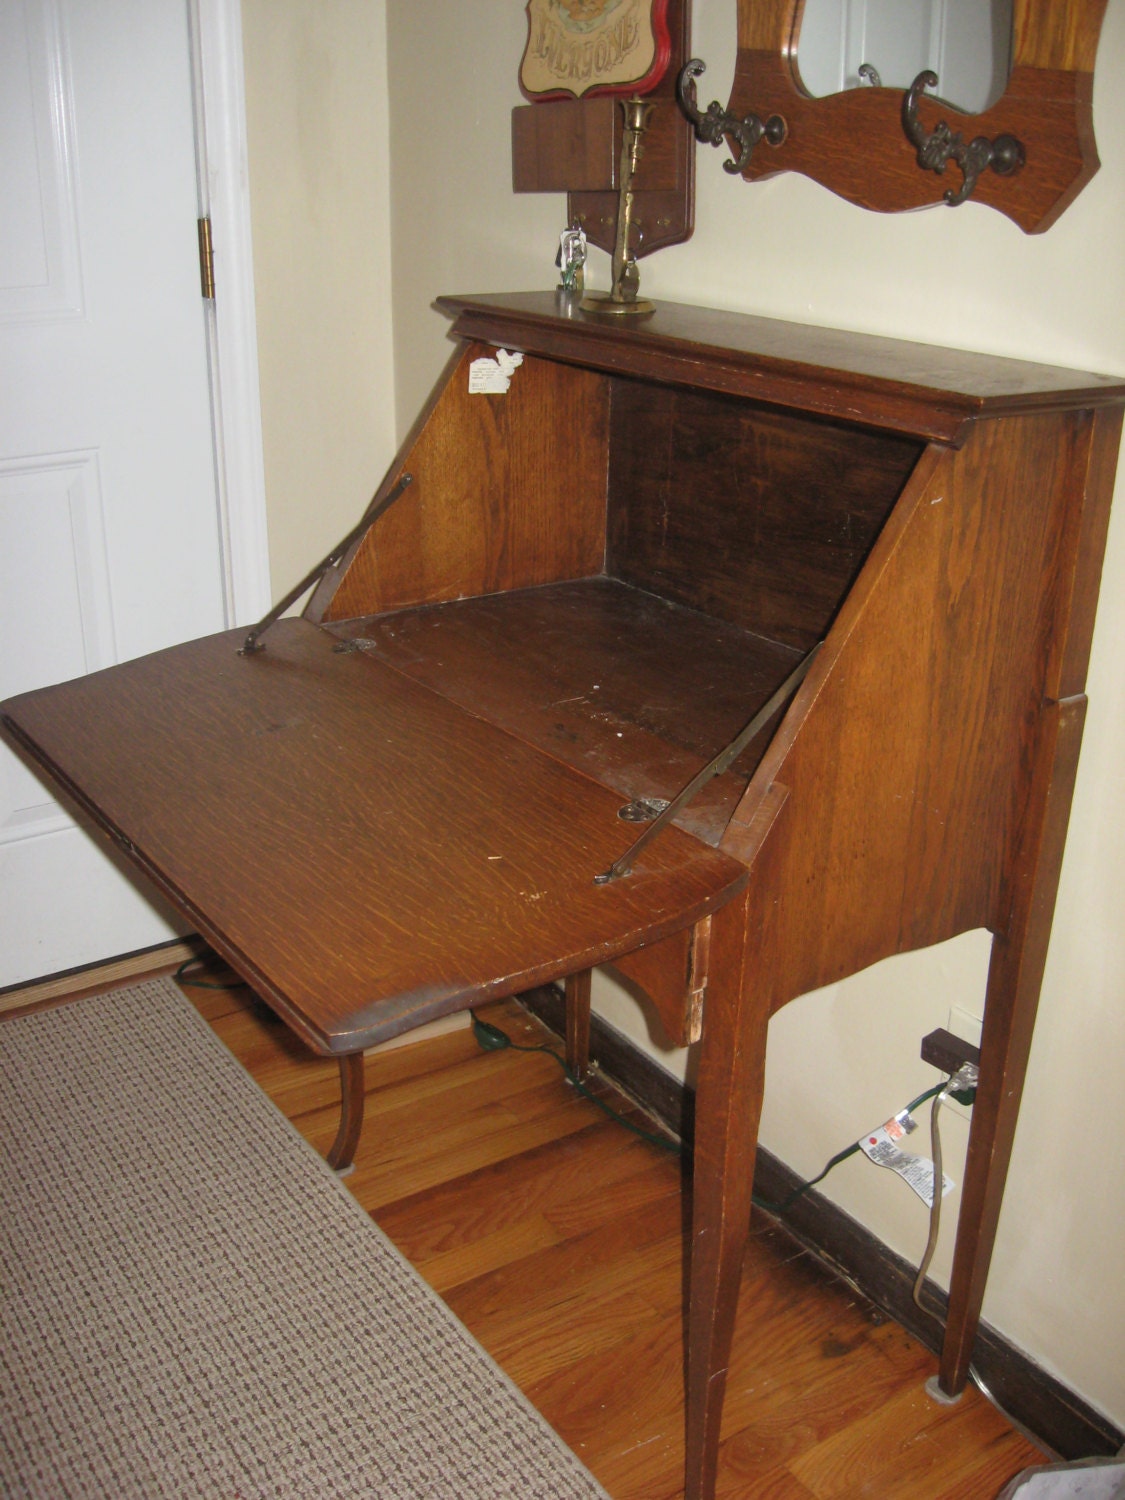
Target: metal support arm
point(377, 507)
point(715, 767)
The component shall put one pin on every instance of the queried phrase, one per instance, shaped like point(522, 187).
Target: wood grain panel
point(1019, 954)
point(1048, 110)
point(1047, 35)
point(1079, 602)
point(574, 145)
point(906, 750)
point(367, 855)
point(509, 490)
point(663, 971)
point(752, 516)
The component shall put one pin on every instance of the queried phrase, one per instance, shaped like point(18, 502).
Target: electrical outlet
point(964, 1023)
point(950, 1054)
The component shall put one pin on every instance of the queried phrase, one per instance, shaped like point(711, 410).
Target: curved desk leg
point(351, 1112)
point(578, 1024)
point(727, 1108)
point(1019, 955)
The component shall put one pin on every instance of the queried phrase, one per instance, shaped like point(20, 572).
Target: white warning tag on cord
point(492, 377)
point(881, 1147)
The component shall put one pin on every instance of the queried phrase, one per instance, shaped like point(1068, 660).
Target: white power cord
point(963, 1081)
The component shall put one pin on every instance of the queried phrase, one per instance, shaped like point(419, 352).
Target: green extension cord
point(966, 1097)
point(491, 1039)
point(181, 976)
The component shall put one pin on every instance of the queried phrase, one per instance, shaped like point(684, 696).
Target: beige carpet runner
point(194, 1306)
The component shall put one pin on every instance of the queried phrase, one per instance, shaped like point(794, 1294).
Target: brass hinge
point(206, 259)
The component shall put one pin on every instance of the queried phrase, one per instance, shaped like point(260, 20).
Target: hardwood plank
point(780, 1485)
point(902, 1447)
point(624, 1409)
point(623, 1256)
point(552, 1181)
point(93, 979)
point(799, 1364)
point(570, 1232)
point(380, 1181)
point(466, 1262)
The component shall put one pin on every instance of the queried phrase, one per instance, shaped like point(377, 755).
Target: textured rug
point(193, 1305)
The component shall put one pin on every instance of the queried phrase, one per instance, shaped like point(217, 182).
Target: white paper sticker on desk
point(492, 377)
point(918, 1171)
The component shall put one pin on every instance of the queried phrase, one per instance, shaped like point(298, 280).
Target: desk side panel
point(509, 491)
point(910, 750)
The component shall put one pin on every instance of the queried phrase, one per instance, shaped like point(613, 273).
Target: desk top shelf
point(893, 384)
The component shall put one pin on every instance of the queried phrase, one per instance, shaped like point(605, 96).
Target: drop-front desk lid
point(366, 853)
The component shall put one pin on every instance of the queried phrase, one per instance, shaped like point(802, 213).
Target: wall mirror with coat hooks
point(893, 143)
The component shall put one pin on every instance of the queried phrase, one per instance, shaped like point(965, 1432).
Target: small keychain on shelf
point(571, 259)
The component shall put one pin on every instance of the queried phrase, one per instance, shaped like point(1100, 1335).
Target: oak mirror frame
point(854, 142)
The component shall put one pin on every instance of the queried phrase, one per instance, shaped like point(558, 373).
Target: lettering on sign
point(577, 47)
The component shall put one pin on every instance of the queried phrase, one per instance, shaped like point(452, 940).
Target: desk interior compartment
point(708, 543)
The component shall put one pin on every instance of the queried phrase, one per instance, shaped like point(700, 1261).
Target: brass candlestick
point(626, 277)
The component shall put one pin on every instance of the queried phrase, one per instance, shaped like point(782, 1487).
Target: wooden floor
point(558, 1238)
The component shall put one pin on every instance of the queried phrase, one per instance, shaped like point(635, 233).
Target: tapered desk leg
point(351, 1112)
point(727, 1108)
point(1019, 954)
point(578, 1024)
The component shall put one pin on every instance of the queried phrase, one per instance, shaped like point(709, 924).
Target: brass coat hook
point(1005, 155)
point(717, 124)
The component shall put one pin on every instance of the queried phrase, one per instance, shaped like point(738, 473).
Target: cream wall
point(842, 1060)
point(316, 110)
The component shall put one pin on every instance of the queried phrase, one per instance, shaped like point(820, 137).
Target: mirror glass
point(967, 43)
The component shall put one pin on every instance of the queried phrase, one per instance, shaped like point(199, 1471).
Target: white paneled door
point(109, 527)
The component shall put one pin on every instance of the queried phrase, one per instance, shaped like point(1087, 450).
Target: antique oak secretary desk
point(409, 799)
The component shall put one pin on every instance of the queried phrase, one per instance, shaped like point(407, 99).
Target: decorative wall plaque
point(577, 48)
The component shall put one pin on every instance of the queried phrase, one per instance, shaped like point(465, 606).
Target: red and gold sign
point(579, 47)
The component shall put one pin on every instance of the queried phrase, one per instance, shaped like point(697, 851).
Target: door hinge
point(206, 259)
